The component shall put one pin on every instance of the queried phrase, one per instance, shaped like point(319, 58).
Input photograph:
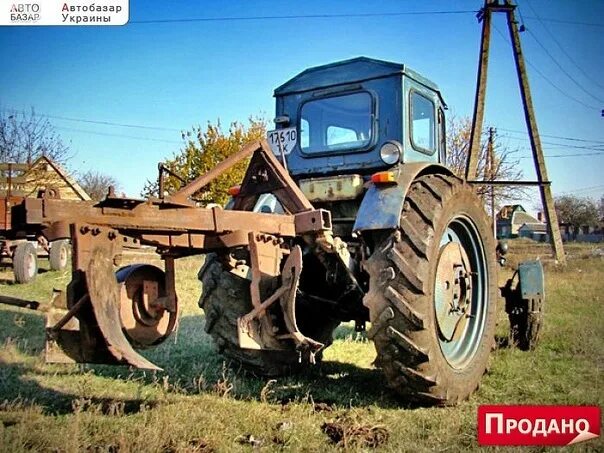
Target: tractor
point(365, 140)
point(346, 213)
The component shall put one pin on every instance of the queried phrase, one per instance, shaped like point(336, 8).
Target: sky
point(171, 76)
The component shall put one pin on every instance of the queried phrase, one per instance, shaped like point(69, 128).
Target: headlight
point(391, 152)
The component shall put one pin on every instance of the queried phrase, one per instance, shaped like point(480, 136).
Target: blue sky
point(175, 75)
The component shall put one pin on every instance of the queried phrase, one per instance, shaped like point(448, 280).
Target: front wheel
point(432, 294)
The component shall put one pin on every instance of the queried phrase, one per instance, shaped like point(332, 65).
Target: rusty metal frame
point(87, 329)
point(177, 223)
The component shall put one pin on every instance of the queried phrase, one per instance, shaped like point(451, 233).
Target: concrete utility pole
point(542, 182)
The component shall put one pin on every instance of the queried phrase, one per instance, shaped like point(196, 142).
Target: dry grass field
point(200, 404)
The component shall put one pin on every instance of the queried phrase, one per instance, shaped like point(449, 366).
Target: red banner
point(537, 425)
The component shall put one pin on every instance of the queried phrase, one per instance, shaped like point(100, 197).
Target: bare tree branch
point(577, 212)
point(505, 166)
point(97, 184)
point(25, 136)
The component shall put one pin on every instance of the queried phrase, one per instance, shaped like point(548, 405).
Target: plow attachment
point(102, 317)
point(249, 327)
point(105, 314)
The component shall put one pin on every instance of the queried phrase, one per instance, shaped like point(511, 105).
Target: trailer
point(22, 244)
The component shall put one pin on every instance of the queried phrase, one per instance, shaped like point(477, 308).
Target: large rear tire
point(225, 297)
point(432, 294)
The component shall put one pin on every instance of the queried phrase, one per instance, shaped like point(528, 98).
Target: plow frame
point(82, 325)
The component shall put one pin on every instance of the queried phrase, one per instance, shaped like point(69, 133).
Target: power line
point(550, 156)
point(589, 189)
point(564, 145)
point(298, 16)
point(104, 123)
point(573, 139)
point(592, 107)
point(108, 134)
point(546, 78)
point(336, 15)
point(570, 58)
point(571, 22)
point(583, 189)
point(564, 71)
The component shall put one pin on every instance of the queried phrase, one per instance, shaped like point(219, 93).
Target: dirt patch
point(249, 439)
point(323, 407)
point(200, 446)
point(111, 407)
point(195, 445)
point(110, 448)
point(347, 431)
point(9, 423)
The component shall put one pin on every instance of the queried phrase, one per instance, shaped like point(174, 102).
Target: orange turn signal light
point(383, 177)
point(234, 191)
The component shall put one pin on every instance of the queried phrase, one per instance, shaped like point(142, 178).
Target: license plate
point(282, 140)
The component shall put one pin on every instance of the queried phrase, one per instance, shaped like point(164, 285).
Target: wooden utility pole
point(481, 89)
point(491, 170)
point(542, 182)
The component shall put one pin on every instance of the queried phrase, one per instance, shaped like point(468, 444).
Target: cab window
point(336, 124)
point(422, 123)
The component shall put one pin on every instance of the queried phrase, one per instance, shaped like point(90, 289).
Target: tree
point(203, 150)
point(503, 168)
point(97, 184)
point(25, 136)
point(576, 211)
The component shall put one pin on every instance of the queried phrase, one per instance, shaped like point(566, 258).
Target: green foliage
point(203, 150)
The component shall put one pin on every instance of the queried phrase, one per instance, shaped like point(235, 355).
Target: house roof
point(63, 174)
point(508, 211)
point(534, 227)
point(520, 218)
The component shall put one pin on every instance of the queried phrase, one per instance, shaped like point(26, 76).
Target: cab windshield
point(336, 123)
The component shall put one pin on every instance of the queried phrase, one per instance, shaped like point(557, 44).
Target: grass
point(200, 404)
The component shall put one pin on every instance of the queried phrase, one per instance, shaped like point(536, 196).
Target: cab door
point(422, 136)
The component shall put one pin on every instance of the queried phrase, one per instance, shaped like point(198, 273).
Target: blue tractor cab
point(360, 116)
point(350, 120)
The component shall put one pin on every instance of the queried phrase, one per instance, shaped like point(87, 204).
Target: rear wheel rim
point(467, 313)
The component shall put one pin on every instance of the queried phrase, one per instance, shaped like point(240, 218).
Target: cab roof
point(355, 70)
